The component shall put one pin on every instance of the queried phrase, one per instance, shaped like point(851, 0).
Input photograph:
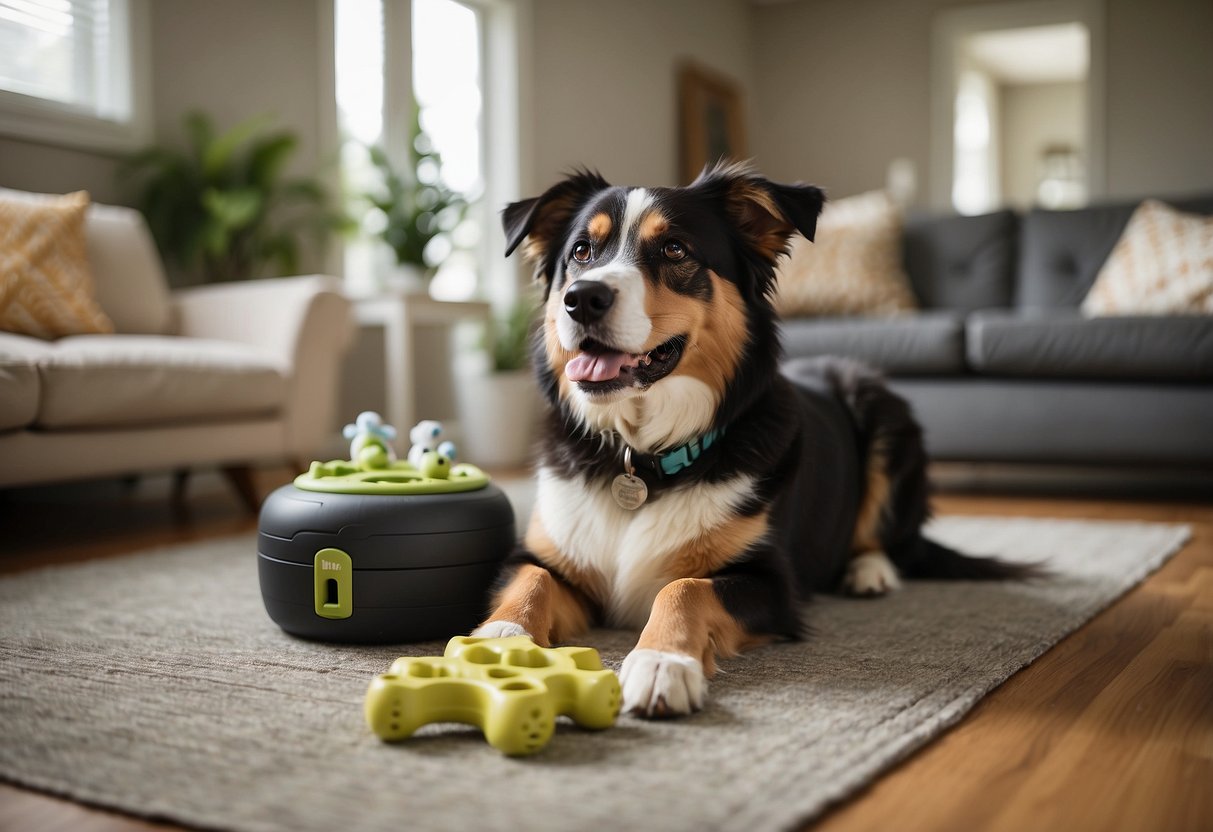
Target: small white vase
point(407, 278)
point(497, 418)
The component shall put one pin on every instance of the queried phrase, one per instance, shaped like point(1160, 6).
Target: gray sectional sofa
point(1001, 366)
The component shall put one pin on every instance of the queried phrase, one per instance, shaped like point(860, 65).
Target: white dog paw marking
point(660, 684)
point(871, 574)
point(499, 629)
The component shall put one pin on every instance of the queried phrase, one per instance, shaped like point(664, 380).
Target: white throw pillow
point(1162, 264)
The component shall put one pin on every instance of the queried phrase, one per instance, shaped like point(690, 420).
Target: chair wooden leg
point(181, 479)
point(241, 478)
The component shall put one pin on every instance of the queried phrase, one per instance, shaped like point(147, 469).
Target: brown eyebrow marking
point(600, 226)
point(653, 225)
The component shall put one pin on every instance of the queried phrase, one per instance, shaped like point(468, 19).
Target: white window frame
point(43, 120)
point(505, 156)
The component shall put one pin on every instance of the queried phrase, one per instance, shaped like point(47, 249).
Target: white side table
point(400, 315)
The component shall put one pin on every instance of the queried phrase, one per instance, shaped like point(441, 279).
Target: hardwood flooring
point(1111, 729)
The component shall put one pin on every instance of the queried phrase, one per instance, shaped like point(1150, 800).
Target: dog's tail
point(928, 559)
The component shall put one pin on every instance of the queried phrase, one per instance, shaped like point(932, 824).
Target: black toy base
point(398, 568)
point(377, 625)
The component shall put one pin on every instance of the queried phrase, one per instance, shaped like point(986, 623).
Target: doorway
point(1017, 106)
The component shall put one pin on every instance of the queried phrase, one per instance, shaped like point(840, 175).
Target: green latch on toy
point(333, 576)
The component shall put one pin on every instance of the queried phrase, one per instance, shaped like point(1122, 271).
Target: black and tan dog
point(685, 486)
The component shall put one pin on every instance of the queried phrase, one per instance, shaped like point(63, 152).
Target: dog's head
point(657, 300)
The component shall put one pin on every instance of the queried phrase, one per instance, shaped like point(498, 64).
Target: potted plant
point(498, 400)
point(221, 209)
point(415, 208)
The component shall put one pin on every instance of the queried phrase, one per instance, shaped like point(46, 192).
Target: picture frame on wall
point(711, 120)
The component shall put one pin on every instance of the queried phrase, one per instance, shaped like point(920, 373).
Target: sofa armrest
point(302, 322)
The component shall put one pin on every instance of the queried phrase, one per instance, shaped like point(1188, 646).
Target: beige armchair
point(229, 375)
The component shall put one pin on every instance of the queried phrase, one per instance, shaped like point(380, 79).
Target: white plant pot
point(407, 278)
point(498, 413)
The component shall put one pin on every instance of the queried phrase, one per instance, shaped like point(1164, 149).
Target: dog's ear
point(544, 220)
point(766, 213)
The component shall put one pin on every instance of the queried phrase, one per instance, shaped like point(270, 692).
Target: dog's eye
point(581, 252)
point(674, 250)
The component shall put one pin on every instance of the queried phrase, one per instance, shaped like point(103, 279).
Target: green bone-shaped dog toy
point(510, 688)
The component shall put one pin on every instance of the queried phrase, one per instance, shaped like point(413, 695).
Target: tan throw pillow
point(853, 268)
point(46, 288)
point(1162, 264)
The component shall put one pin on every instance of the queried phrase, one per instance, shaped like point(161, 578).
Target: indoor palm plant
point(415, 205)
point(220, 208)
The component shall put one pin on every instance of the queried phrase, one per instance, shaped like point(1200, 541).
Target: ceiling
point(1038, 55)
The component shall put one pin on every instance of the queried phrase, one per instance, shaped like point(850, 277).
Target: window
point(68, 71)
point(447, 86)
point(440, 56)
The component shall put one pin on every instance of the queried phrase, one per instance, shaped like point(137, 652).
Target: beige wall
point(1160, 96)
point(29, 166)
point(837, 88)
point(235, 59)
point(1034, 116)
point(604, 81)
point(842, 87)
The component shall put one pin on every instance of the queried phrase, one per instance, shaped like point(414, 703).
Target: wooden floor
point(1111, 729)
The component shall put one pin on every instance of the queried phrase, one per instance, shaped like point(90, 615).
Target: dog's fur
point(659, 330)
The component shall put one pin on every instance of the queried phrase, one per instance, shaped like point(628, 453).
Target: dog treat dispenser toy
point(375, 549)
point(510, 688)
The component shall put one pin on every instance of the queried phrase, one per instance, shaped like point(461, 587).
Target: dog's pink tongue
point(595, 366)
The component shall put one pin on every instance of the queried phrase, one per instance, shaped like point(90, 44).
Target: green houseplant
point(220, 207)
point(511, 339)
point(416, 205)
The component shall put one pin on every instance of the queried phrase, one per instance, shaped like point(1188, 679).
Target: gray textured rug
point(156, 685)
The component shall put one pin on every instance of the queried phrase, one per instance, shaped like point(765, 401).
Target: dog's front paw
point(660, 684)
point(871, 575)
point(499, 629)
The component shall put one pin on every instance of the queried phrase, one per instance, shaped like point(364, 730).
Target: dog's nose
point(587, 301)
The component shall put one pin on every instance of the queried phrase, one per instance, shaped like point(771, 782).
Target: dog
point(685, 487)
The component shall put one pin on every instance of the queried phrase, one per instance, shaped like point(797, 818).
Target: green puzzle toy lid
point(341, 476)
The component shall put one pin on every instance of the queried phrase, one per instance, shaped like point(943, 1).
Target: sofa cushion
point(1061, 252)
point(962, 263)
point(927, 343)
point(116, 380)
point(1162, 265)
point(1066, 345)
point(852, 267)
point(46, 283)
point(128, 278)
point(20, 386)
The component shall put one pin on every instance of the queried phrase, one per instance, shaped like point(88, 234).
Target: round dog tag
point(629, 491)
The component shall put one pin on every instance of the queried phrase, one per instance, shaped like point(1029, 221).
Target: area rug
point(156, 685)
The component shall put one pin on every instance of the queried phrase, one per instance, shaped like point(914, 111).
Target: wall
point(604, 92)
point(1034, 116)
point(29, 166)
point(236, 59)
point(1160, 96)
point(842, 87)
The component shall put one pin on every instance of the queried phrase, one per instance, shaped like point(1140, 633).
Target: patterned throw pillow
point(853, 268)
point(1162, 264)
point(46, 288)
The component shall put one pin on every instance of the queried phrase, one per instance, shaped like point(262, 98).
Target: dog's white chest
point(631, 550)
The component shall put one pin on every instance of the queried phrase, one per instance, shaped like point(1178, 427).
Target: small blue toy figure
point(371, 443)
point(426, 437)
